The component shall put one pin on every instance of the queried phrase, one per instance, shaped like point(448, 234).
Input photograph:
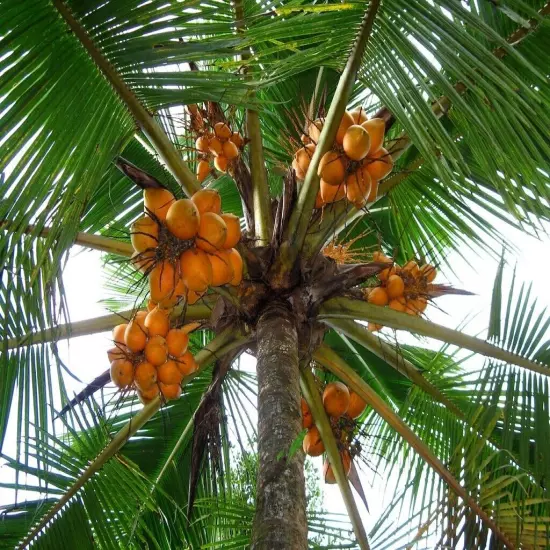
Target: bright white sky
point(86, 355)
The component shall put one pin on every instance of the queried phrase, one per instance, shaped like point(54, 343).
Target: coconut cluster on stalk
point(149, 356)
point(216, 143)
point(356, 162)
point(186, 246)
point(342, 407)
point(406, 289)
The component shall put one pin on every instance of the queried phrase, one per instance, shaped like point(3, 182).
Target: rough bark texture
point(280, 521)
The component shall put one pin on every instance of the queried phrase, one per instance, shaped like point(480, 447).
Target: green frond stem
point(158, 138)
point(88, 240)
point(263, 219)
point(314, 103)
point(114, 446)
point(196, 312)
point(345, 373)
point(388, 354)
point(359, 310)
point(221, 344)
point(301, 214)
point(311, 394)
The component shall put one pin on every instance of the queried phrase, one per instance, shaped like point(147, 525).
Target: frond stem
point(311, 393)
point(158, 138)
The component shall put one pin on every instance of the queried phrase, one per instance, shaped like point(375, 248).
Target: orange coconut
point(157, 322)
point(202, 143)
point(144, 234)
point(193, 297)
point(398, 304)
point(183, 219)
point(359, 115)
point(122, 373)
point(358, 186)
point(147, 396)
point(229, 150)
point(116, 353)
point(356, 142)
point(332, 168)
point(386, 273)
point(302, 158)
point(118, 334)
point(375, 128)
point(170, 391)
point(411, 267)
point(207, 200)
point(418, 304)
point(143, 261)
point(345, 123)
point(168, 373)
point(215, 146)
point(395, 286)
point(177, 341)
point(180, 291)
point(237, 139)
point(135, 336)
point(314, 130)
point(328, 473)
point(203, 169)
point(336, 399)
point(145, 376)
point(429, 272)
point(156, 350)
point(222, 130)
point(158, 201)
point(378, 296)
point(331, 193)
point(313, 444)
point(233, 230)
point(222, 268)
point(356, 405)
point(186, 363)
point(373, 190)
point(374, 327)
point(162, 281)
point(319, 202)
point(307, 418)
point(237, 265)
point(380, 164)
point(196, 270)
point(212, 232)
point(220, 162)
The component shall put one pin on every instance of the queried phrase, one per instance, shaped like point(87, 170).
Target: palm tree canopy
point(91, 87)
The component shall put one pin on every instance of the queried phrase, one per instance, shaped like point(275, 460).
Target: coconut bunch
point(355, 164)
point(404, 289)
point(186, 246)
point(343, 407)
point(218, 143)
point(149, 356)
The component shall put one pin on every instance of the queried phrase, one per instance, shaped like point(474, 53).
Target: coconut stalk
point(301, 214)
point(388, 354)
point(345, 373)
point(280, 516)
point(158, 138)
point(88, 240)
point(223, 343)
point(100, 324)
point(263, 219)
point(311, 394)
point(345, 308)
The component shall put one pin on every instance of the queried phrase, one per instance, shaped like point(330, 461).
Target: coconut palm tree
point(92, 98)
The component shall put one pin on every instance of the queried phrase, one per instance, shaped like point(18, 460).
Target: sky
point(86, 356)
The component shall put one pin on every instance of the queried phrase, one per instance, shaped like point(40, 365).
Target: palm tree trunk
point(280, 521)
